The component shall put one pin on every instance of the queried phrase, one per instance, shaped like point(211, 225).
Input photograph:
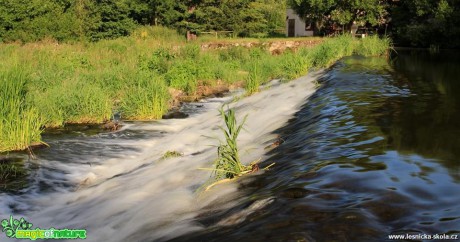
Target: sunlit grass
point(253, 79)
point(373, 46)
point(87, 82)
point(20, 125)
point(146, 99)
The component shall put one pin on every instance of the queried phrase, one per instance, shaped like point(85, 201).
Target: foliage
point(416, 23)
point(154, 12)
point(425, 23)
point(64, 20)
point(111, 20)
point(342, 12)
point(87, 20)
point(245, 18)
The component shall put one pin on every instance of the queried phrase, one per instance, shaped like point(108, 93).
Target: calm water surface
point(375, 151)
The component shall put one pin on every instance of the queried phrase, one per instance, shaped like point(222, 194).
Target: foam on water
point(137, 195)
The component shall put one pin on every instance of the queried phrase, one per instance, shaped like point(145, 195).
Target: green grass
point(373, 46)
point(20, 125)
point(146, 99)
point(48, 85)
point(253, 80)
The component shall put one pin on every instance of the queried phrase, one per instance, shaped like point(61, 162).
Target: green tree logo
point(11, 226)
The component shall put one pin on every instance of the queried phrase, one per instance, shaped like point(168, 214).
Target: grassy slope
point(53, 84)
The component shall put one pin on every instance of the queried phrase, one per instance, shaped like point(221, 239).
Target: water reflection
point(374, 152)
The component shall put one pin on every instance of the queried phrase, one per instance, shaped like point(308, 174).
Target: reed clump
point(228, 165)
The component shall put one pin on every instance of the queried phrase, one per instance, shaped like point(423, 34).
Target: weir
point(369, 154)
point(118, 187)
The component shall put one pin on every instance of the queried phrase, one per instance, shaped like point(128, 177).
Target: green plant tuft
point(171, 154)
point(228, 163)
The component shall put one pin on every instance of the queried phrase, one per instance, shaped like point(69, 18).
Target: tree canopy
point(427, 22)
point(415, 22)
point(342, 12)
point(62, 20)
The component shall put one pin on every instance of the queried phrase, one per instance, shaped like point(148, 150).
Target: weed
point(171, 154)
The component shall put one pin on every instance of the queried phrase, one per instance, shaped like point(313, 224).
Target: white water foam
point(142, 197)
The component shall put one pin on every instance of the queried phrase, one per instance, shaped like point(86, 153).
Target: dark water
point(375, 151)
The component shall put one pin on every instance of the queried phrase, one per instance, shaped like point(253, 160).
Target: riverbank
point(140, 77)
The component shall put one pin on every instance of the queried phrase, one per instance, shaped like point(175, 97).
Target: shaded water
point(374, 151)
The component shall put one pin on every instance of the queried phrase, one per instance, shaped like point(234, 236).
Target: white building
point(295, 26)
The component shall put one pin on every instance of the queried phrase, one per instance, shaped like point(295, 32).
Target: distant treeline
point(423, 23)
point(92, 20)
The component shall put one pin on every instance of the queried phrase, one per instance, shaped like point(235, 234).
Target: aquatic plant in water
point(228, 163)
point(171, 154)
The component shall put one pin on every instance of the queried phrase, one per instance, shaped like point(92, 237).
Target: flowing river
point(373, 151)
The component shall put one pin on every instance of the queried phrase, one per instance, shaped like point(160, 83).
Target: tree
point(36, 19)
point(110, 20)
point(156, 12)
point(427, 22)
point(342, 12)
point(244, 17)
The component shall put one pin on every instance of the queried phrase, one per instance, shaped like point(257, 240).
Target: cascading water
point(118, 187)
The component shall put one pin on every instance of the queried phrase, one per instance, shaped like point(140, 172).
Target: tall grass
point(373, 46)
point(147, 99)
point(20, 125)
point(253, 79)
point(86, 83)
point(331, 50)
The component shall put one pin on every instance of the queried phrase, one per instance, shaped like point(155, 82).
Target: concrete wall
point(299, 24)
